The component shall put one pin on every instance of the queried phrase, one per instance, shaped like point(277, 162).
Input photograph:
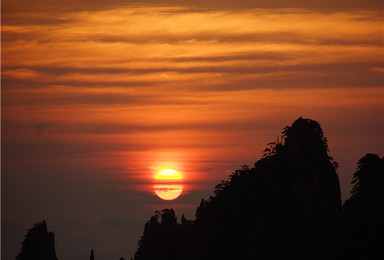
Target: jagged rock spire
point(38, 244)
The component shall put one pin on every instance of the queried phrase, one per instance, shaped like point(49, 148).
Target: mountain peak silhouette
point(305, 138)
point(287, 207)
point(363, 213)
point(38, 244)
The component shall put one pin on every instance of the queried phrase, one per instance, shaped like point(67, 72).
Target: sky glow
point(97, 96)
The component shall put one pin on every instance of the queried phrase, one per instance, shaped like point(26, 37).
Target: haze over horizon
point(97, 97)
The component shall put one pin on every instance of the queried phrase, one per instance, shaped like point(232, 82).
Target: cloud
point(76, 5)
point(153, 48)
point(94, 96)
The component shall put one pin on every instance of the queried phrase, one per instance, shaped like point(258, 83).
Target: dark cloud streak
point(76, 5)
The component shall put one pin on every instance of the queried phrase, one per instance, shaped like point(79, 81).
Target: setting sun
point(168, 190)
point(113, 111)
point(168, 174)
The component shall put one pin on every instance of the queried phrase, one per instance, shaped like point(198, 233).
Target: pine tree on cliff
point(38, 244)
point(363, 213)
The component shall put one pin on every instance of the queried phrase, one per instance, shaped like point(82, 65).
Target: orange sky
point(95, 100)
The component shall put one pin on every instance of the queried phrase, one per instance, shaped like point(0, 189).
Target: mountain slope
point(286, 207)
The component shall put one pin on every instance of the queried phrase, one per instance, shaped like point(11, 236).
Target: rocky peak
point(305, 139)
point(38, 244)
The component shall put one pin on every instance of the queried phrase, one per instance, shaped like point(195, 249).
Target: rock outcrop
point(286, 207)
point(38, 244)
point(363, 213)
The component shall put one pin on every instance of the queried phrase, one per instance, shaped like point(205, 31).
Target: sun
point(167, 184)
point(168, 174)
point(168, 192)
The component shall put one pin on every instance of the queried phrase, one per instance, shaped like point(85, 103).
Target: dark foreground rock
point(38, 244)
point(287, 206)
